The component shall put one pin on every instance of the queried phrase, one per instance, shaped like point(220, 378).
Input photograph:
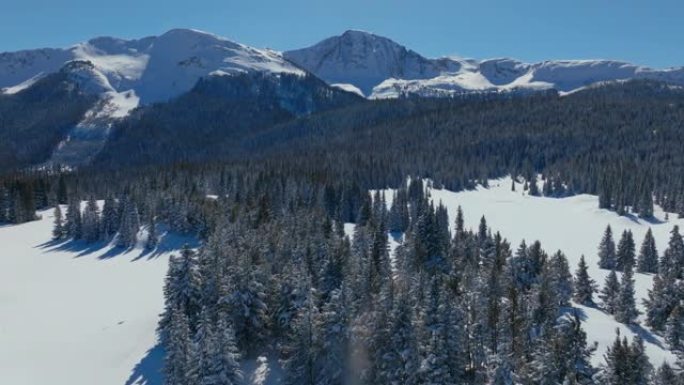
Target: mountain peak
point(364, 60)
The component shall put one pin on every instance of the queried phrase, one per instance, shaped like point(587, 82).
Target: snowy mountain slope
point(575, 226)
point(365, 60)
point(382, 68)
point(127, 73)
point(72, 314)
point(156, 68)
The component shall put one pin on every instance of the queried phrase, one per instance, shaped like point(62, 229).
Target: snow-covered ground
point(73, 314)
point(574, 225)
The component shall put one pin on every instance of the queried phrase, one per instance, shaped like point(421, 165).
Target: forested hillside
point(277, 277)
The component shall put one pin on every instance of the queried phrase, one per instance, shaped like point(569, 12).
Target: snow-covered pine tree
point(661, 300)
point(91, 221)
point(606, 251)
point(110, 219)
point(74, 226)
point(584, 286)
point(665, 375)
point(626, 311)
point(205, 350)
point(648, 255)
point(672, 260)
point(640, 368)
point(575, 351)
point(182, 290)
point(226, 364)
point(152, 236)
point(178, 362)
point(58, 231)
point(625, 255)
point(300, 350)
point(561, 278)
point(130, 224)
point(331, 324)
point(616, 368)
point(610, 292)
point(674, 329)
point(399, 213)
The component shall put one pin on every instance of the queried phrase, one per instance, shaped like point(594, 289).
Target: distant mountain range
point(111, 77)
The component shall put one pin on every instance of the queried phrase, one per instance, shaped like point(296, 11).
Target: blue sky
point(643, 32)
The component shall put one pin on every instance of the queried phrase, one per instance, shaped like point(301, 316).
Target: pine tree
point(626, 311)
point(606, 253)
point(576, 353)
point(331, 324)
point(74, 226)
point(616, 369)
point(129, 226)
point(178, 362)
point(672, 261)
point(639, 367)
point(625, 256)
point(91, 221)
point(584, 285)
point(182, 290)
point(152, 236)
point(300, 351)
point(561, 278)
point(58, 232)
point(226, 365)
point(660, 302)
point(648, 255)
point(665, 376)
point(610, 292)
point(674, 329)
point(110, 219)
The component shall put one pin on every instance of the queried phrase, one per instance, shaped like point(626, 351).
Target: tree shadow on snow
point(645, 335)
point(148, 371)
point(168, 242)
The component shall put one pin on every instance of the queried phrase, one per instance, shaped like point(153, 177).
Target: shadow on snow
point(148, 370)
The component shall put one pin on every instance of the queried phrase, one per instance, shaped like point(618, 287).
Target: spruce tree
point(152, 236)
point(226, 364)
point(74, 226)
point(661, 300)
point(665, 375)
point(58, 231)
point(625, 256)
point(91, 221)
point(648, 255)
point(561, 278)
point(674, 329)
point(609, 293)
point(110, 219)
point(672, 260)
point(178, 362)
point(606, 253)
point(584, 285)
point(626, 311)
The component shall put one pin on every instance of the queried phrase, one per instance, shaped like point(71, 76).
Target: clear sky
point(643, 32)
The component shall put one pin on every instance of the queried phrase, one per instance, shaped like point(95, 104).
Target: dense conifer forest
point(278, 276)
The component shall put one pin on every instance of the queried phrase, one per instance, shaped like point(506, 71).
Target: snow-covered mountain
point(154, 68)
point(365, 60)
point(127, 73)
point(381, 68)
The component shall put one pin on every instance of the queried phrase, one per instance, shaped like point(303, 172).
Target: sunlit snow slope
point(77, 315)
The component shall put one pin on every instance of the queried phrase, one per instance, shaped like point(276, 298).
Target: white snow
point(574, 225)
point(21, 86)
point(349, 88)
point(72, 314)
point(155, 68)
point(383, 68)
